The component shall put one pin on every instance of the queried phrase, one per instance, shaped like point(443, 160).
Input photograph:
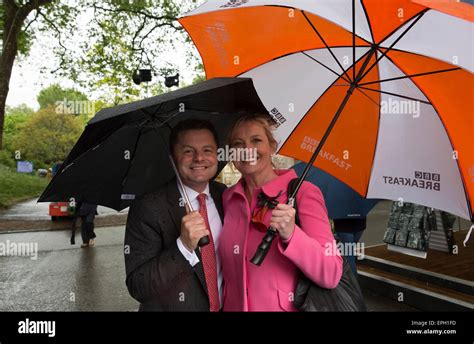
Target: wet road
point(64, 277)
point(31, 210)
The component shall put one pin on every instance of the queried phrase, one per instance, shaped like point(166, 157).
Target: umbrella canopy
point(342, 202)
point(380, 93)
point(124, 150)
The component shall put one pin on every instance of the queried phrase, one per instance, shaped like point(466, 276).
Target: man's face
point(195, 155)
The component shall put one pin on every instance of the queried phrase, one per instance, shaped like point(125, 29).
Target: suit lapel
point(175, 209)
point(217, 197)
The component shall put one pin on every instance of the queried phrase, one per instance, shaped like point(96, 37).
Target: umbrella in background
point(342, 202)
point(377, 93)
point(123, 152)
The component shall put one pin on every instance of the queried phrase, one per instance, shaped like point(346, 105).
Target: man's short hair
point(191, 124)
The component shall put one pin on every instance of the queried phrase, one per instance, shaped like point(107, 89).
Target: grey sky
point(26, 80)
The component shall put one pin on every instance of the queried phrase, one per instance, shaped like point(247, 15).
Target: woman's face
point(251, 137)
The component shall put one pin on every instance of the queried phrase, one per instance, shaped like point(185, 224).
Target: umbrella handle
point(204, 241)
point(264, 246)
point(267, 240)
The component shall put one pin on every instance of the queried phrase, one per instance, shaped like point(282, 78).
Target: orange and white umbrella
point(382, 88)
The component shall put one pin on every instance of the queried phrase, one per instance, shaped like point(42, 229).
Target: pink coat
point(310, 249)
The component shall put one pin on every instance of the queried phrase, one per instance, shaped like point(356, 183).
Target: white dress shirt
point(216, 228)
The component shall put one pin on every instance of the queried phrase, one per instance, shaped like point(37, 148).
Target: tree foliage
point(18, 110)
point(48, 136)
point(99, 43)
point(51, 95)
point(15, 117)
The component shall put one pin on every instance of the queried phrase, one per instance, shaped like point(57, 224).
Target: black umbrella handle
point(264, 246)
point(267, 240)
point(204, 241)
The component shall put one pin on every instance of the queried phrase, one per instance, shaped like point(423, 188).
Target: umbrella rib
point(153, 117)
point(393, 44)
point(365, 94)
point(395, 94)
point(327, 46)
point(368, 20)
point(170, 118)
point(325, 92)
point(410, 76)
point(353, 41)
point(328, 68)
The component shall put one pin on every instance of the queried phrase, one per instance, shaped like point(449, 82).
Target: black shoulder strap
point(291, 187)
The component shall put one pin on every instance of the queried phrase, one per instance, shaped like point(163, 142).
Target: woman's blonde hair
point(265, 121)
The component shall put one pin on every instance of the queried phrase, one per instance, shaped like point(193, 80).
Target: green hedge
point(16, 187)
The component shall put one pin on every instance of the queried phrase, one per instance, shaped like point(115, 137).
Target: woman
point(310, 249)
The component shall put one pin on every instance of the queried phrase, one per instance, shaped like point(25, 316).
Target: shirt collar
point(192, 194)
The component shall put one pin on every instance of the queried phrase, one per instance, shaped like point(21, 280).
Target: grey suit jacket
point(158, 275)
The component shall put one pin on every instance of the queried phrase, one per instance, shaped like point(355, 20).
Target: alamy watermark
point(19, 249)
point(400, 107)
point(75, 107)
point(345, 249)
point(227, 153)
point(37, 327)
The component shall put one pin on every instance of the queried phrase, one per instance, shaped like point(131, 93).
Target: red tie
point(208, 255)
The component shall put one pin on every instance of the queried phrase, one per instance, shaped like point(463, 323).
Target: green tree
point(21, 109)
point(48, 136)
point(15, 117)
point(51, 95)
point(201, 75)
point(119, 37)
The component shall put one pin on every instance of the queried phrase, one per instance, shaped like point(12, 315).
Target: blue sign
point(24, 166)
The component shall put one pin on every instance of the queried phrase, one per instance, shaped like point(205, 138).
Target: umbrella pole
point(333, 122)
point(264, 246)
point(205, 239)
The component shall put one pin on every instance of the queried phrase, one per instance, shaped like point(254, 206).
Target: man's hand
point(193, 228)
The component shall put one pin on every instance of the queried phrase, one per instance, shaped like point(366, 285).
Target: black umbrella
point(123, 152)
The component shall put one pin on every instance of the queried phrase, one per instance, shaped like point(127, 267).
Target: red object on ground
point(57, 209)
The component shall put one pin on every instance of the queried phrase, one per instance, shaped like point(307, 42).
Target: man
point(166, 270)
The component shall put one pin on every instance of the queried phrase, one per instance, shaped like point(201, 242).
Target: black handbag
point(309, 297)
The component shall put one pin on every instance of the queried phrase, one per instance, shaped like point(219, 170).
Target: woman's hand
point(283, 220)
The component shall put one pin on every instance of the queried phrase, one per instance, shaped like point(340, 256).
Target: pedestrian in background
point(87, 212)
point(348, 232)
